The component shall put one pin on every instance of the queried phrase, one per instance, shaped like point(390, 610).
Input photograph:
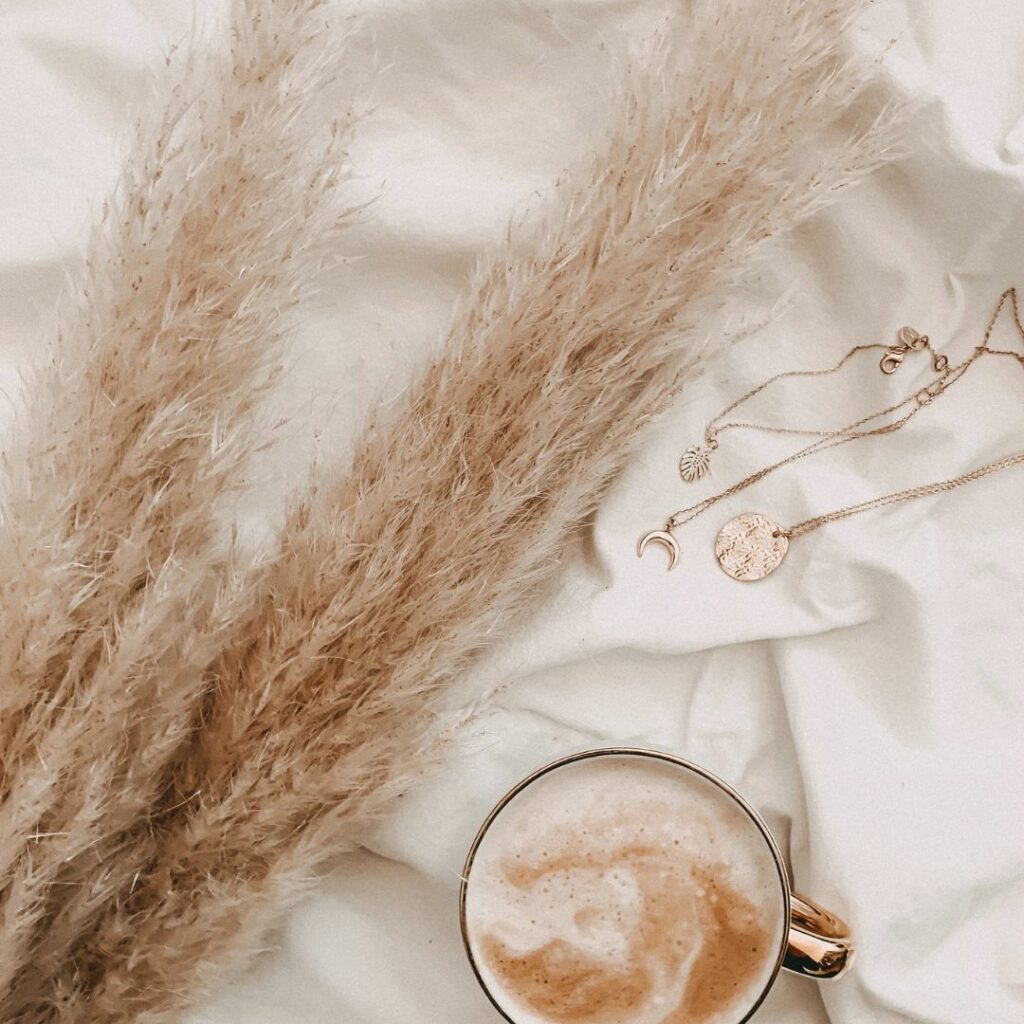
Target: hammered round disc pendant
point(750, 547)
point(695, 463)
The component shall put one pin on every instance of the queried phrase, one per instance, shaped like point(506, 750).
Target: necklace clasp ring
point(891, 361)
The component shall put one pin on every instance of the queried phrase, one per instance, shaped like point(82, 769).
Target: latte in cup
point(624, 889)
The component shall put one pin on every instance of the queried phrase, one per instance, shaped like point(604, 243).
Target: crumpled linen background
point(868, 698)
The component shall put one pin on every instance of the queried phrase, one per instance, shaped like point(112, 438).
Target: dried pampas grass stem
point(129, 443)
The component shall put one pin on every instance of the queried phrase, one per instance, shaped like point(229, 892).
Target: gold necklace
point(696, 460)
point(751, 546)
point(851, 432)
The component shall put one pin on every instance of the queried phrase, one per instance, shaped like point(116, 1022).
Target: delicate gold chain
point(917, 402)
point(914, 492)
point(910, 340)
point(939, 486)
point(851, 432)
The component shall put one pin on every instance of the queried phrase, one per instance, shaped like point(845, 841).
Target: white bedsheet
point(869, 698)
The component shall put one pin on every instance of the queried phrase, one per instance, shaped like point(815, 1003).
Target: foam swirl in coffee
point(624, 889)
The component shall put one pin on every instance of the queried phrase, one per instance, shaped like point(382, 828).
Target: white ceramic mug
point(559, 903)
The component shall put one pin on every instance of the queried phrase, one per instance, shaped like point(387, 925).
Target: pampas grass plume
point(130, 441)
point(390, 578)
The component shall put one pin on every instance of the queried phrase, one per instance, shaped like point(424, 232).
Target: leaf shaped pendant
point(695, 463)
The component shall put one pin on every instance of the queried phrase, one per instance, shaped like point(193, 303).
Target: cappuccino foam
point(623, 889)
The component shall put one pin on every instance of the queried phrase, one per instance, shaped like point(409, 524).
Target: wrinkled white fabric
point(868, 698)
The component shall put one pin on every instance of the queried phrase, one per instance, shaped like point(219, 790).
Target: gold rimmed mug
point(812, 942)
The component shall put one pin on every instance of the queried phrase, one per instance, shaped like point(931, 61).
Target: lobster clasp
point(909, 341)
point(892, 360)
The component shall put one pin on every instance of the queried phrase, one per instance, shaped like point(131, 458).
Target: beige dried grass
point(391, 578)
point(129, 443)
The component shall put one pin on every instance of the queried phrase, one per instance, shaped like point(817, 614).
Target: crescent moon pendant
point(660, 537)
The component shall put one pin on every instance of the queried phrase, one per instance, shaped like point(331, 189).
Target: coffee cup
point(628, 886)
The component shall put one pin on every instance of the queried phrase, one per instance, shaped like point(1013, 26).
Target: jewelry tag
point(750, 547)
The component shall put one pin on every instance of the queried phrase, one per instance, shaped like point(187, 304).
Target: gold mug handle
point(819, 943)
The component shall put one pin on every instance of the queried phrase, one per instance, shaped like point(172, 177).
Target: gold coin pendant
point(750, 547)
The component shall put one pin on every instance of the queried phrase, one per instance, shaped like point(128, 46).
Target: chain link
point(832, 439)
point(916, 402)
point(712, 432)
point(923, 491)
point(910, 341)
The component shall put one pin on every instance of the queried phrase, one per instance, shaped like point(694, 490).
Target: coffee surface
point(624, 890)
